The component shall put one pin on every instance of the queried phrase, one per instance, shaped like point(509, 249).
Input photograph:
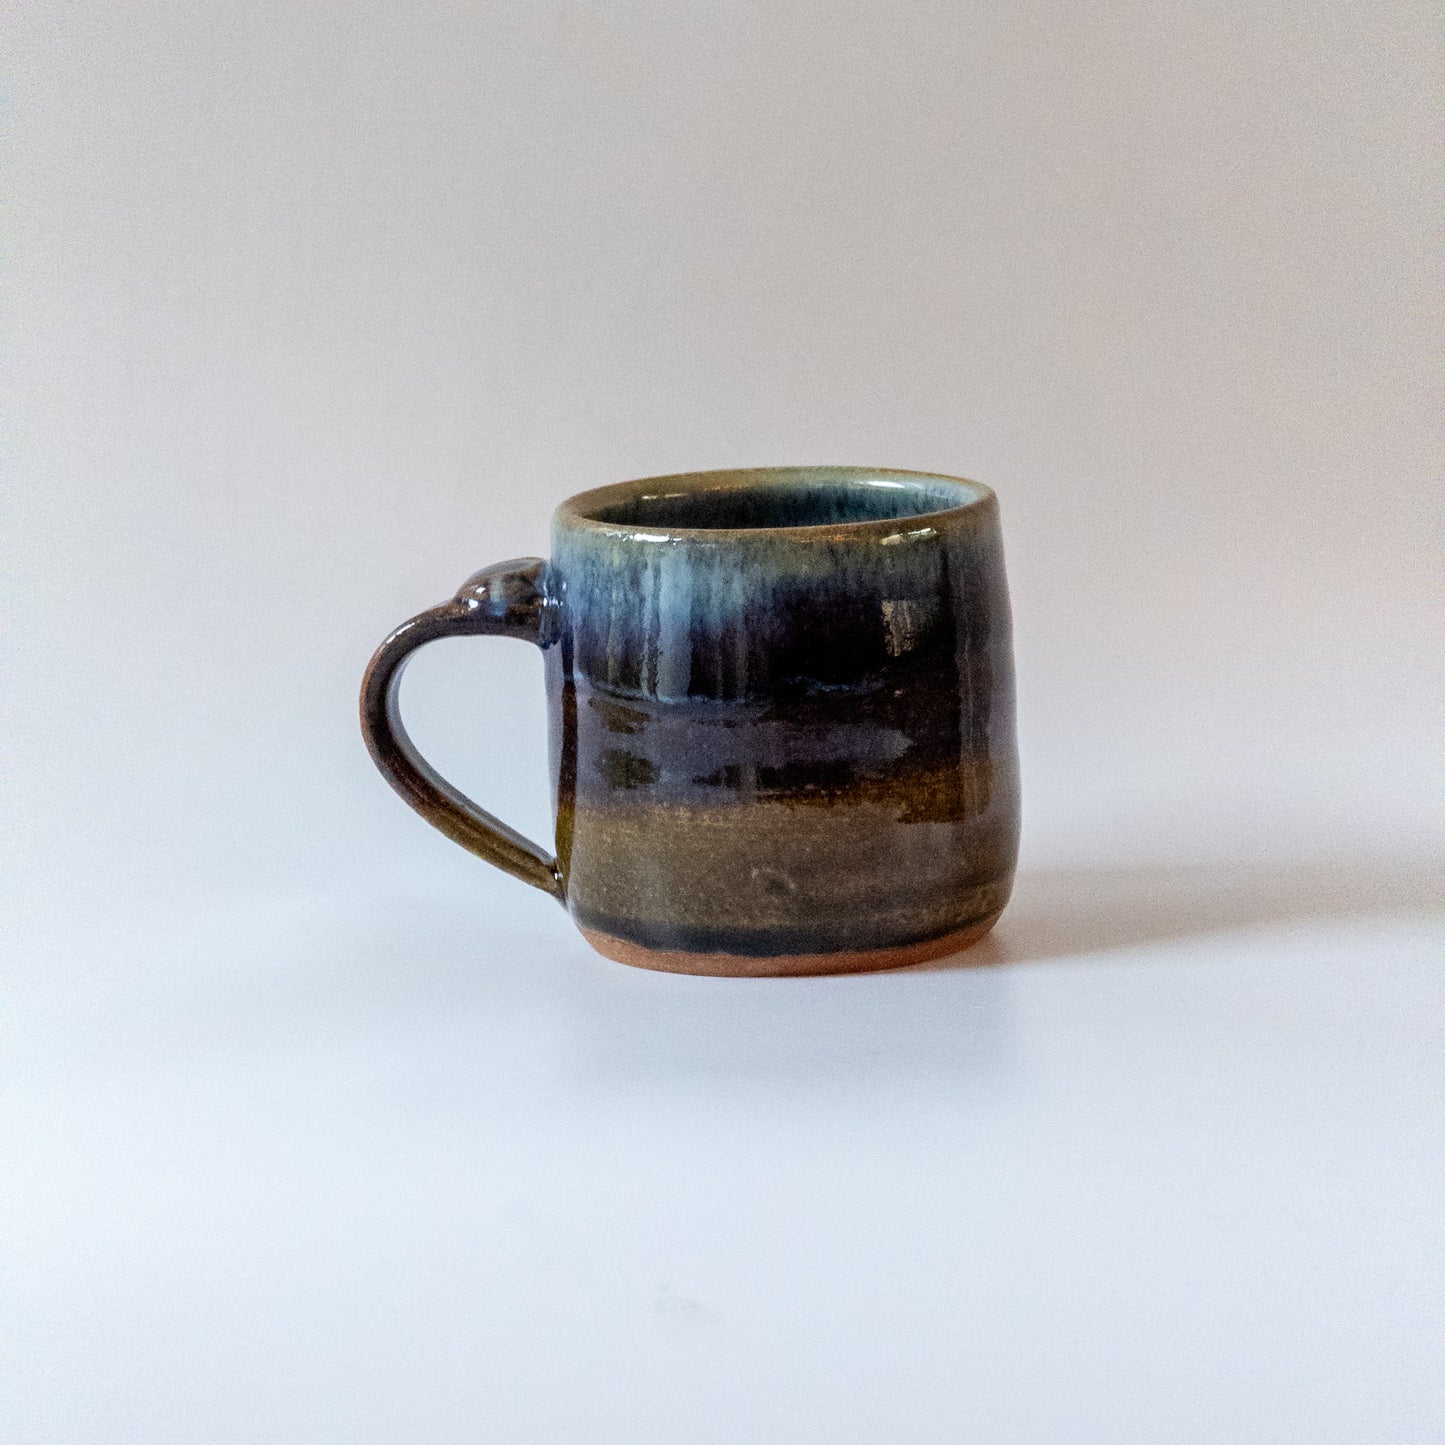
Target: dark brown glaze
point(784, 742)
point(782, 718)
point(505, 600)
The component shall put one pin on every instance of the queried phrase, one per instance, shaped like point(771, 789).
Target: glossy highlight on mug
point(781, 716)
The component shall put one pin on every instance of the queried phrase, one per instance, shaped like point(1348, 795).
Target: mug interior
point(776, 497)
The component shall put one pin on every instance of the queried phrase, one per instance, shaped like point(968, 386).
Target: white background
point(314, 1129)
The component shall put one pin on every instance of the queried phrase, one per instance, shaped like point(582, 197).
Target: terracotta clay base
point(785, 965)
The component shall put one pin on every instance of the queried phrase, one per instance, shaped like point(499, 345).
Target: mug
point(781, 715)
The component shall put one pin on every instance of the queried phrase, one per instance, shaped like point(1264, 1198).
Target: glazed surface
point(782, 713)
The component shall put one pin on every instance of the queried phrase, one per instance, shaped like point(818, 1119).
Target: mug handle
point(509, 599)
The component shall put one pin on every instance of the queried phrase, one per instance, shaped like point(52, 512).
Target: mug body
point(781, 706)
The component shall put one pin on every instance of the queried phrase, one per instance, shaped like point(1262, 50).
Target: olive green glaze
point(782, 730)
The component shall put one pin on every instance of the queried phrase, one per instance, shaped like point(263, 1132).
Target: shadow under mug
point(781, 712)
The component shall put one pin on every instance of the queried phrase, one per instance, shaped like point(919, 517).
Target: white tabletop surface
point(1160, 1162)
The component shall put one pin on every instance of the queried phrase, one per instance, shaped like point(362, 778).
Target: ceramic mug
point(781, 708)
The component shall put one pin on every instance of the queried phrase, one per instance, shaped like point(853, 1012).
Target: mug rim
point(573, 513)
